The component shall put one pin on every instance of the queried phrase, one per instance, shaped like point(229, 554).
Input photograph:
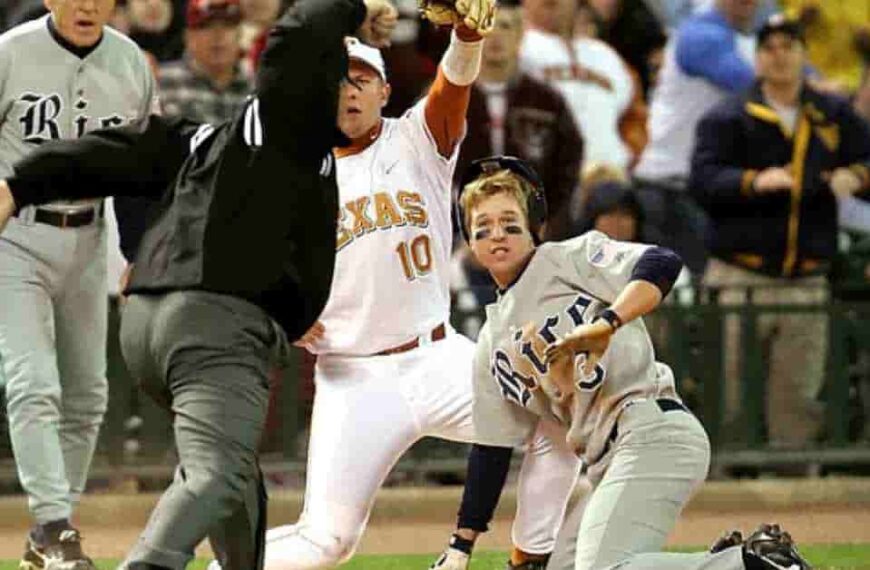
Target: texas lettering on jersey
point(518, 370)
point(39, 120)
point(380, 211)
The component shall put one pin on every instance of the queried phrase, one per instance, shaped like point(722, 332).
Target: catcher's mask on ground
point(531, 184)
point(365, 91)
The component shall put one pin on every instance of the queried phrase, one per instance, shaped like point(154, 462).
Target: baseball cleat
point(451, 559)
point(728, 540)
point(61, 551)
point(775, 549)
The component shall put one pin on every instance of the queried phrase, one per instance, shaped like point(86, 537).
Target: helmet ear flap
point(459, 217)
point(536, 200)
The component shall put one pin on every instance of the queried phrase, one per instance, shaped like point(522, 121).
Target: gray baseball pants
point(639, 487)
point(205, 356)
point(53, 307)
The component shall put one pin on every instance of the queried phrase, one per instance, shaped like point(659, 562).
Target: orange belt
point(437, 334)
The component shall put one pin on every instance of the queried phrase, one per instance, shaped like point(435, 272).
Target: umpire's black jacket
point(786, 233)
point(248, 207)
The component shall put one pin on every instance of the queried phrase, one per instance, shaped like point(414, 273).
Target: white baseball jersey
point(565, 284)
point(47, 92)
point(596, 108)
point(394, 200)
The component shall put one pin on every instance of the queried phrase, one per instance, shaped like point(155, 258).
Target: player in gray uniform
point(60, 76)
point(564, 342)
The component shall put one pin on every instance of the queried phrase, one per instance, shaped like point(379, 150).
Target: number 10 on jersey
point(416, 256)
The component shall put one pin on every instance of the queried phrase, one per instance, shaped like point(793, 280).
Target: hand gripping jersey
point(395, 216)
point(564, 285)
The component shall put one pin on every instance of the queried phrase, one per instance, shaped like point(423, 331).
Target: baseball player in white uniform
point(60, 76)
point(565, 342)
point(390, 369)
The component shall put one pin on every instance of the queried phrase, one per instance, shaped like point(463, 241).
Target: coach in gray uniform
point(60, 77)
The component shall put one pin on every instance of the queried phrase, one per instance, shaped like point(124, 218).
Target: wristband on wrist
point(461, 544)
point(611, 317)
point(461, 61)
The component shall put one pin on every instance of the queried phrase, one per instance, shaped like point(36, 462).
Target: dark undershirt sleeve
point(659, 266)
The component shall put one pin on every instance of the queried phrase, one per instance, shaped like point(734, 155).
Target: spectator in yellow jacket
point(838, 37)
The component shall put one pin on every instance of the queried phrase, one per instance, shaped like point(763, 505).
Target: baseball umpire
point(238, 258)
point(61, 76)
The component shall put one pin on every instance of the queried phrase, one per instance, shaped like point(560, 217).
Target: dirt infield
point(419, 520)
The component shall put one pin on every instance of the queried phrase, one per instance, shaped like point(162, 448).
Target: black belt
point(71, 220)
point(664, 404)
point(668, 405)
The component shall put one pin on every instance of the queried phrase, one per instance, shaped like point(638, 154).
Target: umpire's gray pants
point(53, 307)
point(207, 357)
point(639, 488)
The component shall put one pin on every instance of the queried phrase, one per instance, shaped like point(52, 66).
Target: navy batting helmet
point(537, 201)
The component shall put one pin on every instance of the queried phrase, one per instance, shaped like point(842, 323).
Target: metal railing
point(136, 437)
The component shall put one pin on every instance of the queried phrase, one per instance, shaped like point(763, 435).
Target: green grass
point(839, 557)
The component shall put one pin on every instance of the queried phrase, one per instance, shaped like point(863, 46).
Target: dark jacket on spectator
point(539, 128)
point(784, 233)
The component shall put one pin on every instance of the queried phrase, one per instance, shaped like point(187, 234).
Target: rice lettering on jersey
point(517, 372)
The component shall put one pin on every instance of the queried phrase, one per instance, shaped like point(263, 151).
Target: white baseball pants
point(367, 412)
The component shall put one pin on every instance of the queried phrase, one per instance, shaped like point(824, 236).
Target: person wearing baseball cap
point(209, 84)
point(780, 24)
point(773, 168)
point(200, 13)
point(388, 316)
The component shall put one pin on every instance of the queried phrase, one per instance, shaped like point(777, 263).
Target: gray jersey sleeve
point(151, 101)
point(496, 420)
point(605, 264)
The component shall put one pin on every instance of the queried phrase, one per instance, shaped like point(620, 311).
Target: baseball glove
point(477, 15)
point(557, 383)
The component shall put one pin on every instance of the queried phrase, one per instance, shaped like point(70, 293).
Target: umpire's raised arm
point(134, 160)
point(303, 64)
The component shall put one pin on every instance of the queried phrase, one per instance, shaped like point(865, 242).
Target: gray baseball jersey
point(53, 280)
point(48, 93)
point(564, 285)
